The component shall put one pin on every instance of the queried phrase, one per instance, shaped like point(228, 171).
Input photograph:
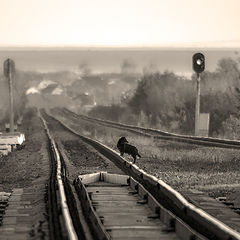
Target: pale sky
point(212, 23)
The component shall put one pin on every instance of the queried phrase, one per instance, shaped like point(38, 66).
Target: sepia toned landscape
point(119, 120)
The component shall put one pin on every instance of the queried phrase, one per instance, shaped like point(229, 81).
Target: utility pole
point(9, 69)
point(198, 67)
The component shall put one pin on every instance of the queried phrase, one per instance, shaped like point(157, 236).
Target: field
point(181, 165)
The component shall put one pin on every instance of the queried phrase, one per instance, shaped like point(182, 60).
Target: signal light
point(198, 62)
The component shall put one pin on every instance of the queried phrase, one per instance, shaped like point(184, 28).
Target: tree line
point(167, 101)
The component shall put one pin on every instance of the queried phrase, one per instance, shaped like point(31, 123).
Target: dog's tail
point(139, 155)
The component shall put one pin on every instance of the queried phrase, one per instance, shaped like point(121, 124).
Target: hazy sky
point(214, 23)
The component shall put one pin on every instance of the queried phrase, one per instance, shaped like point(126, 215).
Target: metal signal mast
point(9, 69)
point(198, 67)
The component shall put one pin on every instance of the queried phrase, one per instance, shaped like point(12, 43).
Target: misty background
point(144, 87)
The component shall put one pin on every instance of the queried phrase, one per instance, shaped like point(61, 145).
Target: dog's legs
point(134, 158)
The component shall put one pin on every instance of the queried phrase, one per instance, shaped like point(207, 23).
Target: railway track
point(152, 191)
point(3, 204)
point(118, 207)
point(156, 134)
point(60, 226)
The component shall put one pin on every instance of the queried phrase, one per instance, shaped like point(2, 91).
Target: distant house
point(94, 80)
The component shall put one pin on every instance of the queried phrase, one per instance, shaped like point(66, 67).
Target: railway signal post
point(9, 69)
point(198, 67)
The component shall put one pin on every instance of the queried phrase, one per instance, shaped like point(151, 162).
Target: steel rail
point(154, 186)
point(159, 134)
point(63, 200)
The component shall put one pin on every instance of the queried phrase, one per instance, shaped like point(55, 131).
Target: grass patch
point(181, 165)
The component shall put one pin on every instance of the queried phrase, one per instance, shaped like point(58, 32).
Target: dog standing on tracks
point(124, 147)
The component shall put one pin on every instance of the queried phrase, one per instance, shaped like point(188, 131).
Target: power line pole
point(9, 69)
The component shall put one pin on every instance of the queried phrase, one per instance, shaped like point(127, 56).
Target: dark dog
point(124, 147)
